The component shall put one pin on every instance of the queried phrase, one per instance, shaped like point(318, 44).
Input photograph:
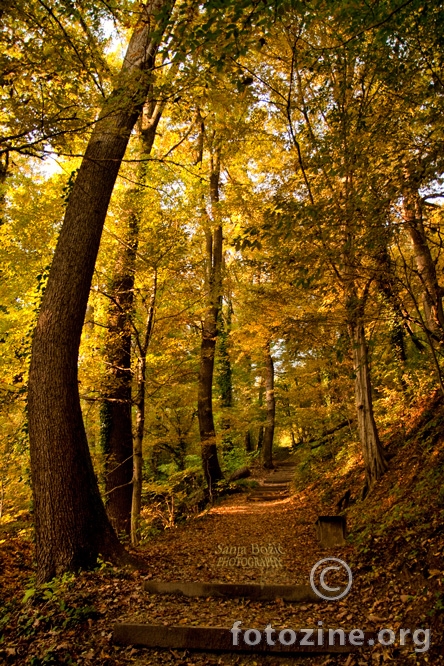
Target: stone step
point(265, 592)
point(279, 480)
point(221, 639)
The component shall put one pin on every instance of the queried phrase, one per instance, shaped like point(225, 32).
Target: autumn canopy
point(221, 233)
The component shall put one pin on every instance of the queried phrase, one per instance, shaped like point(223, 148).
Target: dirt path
point(75, 625)
point(221, 546)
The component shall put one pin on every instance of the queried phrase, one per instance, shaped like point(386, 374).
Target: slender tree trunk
point(260, 438)
point(210, 461)
point(374, 458)
point(385, 281)
point(225, 375)
point(433, 292)
point(71, 525)
point(4, 165)
point(398, 324)
point(116, 422)
point(136, 504)
point(116, 418)
point(287, 408)
point(247, 399)
point(267, 447)
point(249, 445)
point(260, 435)
point(140, 417)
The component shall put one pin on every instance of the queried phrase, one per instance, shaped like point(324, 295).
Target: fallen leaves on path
point(74, 623)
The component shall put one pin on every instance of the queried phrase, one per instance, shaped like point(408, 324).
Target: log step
point(292, 593)
point(274, 488)
point(267, 498)
point(219, 639)
point(270, 491)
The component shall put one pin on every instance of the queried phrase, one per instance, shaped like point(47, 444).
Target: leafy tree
point(71, 523)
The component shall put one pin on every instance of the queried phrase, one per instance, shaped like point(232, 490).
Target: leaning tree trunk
point(210, 461)
point(71, 525)
point(270, 401)
point(374, 459)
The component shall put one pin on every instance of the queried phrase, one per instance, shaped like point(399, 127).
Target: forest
point(222, 268)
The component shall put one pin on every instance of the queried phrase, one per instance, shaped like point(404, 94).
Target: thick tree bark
point(433, 292)
point(71, 525)
point(267, 446)
point(210, 461)
point(374, 458)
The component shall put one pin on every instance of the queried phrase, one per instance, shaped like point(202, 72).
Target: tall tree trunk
point(260, 401)
point(267, 446)
point(433, 292)
point(398, 324)
point(142, 345)
point(116, 420)
point(374, 458)
point(4, 165)
point(386, 285)
point(210, 461)
point(249, 437)
point(260, 438)
point(249, 444)
point(224, 375)
point(71, 525)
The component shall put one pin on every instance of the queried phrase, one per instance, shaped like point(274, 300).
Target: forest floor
point(397, 575)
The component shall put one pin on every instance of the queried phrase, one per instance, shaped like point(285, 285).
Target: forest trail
point(241, 541)
point(77, 622)
point(202, 549)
